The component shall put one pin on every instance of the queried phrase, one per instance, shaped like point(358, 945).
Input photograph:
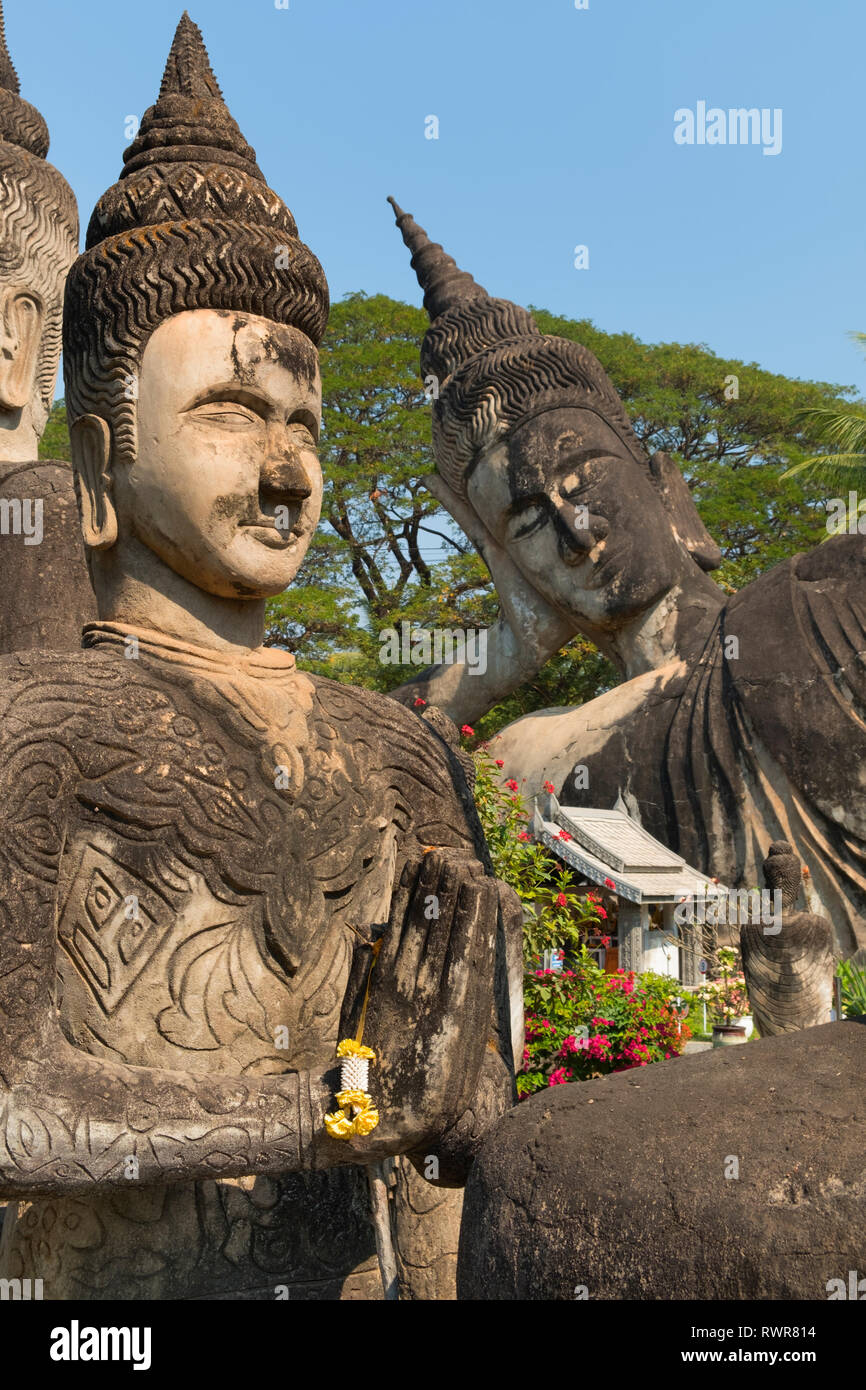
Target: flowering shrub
point(580, 1022)
point(556, 916)
point(726, 997)
point(583, 1023)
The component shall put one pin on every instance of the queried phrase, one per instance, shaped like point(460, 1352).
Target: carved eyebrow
point(527, 499)
point(307, 418)
point(569, 460)
point(231, 394)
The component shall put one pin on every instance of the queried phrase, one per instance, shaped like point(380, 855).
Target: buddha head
point(529, 430)
point(38, 243)
point(191, 329)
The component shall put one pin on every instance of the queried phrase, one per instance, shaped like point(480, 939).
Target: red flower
point(466, 730)
point(499, 762)
point(605, 941)
point(601, 912)
point(609, 883)
point(562, 901)
point(511, 784)
point(522, 835)
point(419, 701)
point(563, 835)
point(559, 1077)
point(549, 787)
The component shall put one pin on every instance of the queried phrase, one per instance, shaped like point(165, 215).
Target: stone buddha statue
point(216, 867)
point(789, 973)
point(46, 593)
point(740, 721)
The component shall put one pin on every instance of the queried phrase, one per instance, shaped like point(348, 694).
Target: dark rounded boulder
point(733, 1174)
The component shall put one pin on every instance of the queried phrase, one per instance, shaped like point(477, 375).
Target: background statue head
point(529, 429)
point(191, 329)
point(38, 243)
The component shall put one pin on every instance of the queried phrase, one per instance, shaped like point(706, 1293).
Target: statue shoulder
point(35, 678)
point(416, 736)
point(420, 756)
point(842, 558)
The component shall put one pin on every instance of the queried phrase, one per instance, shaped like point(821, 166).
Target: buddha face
point(579, 516)
point(226, 486)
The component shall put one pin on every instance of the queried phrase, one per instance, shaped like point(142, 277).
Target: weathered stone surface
point(46, 596)
point(732, 728)
point(201, 846)
point(619, 1185)
point(426, 1223)
point(46, 593)
point(789, 972)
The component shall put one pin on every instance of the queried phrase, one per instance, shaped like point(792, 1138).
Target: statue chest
point(207, 894)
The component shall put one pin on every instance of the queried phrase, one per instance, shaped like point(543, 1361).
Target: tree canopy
point(386, 551)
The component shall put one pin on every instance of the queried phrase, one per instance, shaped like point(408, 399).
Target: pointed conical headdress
point(493, 365)
point(20, 123)
point(190, 224)
point(494, 369)
point(38, 220)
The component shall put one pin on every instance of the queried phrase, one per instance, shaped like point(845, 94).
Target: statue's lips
point(269, 534)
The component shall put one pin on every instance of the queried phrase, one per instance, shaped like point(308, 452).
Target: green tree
point(845, 467)
point(54, 443)
point(386, 550)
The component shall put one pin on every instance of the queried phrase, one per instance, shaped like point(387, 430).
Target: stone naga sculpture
point(46, 595)
point(789, 972)
point(740, 721)
point(200, 844)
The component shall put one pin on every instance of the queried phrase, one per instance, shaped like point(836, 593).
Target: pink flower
point(522, 835)
point(467, 730)
point(499, 762)
point(419, 702)
point(559, 1077)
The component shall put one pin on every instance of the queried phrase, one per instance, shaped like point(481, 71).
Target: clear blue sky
point(556, 128)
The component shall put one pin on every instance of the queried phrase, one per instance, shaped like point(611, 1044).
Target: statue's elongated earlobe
point(90, 439)
point(680, 507)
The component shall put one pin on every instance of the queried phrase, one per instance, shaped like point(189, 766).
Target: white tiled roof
point(611, 845)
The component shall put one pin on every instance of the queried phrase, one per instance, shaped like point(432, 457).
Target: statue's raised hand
point(429, 1009)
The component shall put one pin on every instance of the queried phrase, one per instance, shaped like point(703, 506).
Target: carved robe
point(762, 739)
point(217, 827)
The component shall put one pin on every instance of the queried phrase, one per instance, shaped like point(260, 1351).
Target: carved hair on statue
point(190, 224)
point(39, 221)
point(495, 368)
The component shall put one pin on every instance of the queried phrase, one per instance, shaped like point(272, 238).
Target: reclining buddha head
point(529, 429)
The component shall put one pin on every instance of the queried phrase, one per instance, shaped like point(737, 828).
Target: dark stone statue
point(208, 857)
point(789, 968)
point(740, 721)
point(46, 594)
point(732, 1174)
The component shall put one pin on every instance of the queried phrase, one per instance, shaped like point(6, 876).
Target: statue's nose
point(578, 532)
point(284, 475)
